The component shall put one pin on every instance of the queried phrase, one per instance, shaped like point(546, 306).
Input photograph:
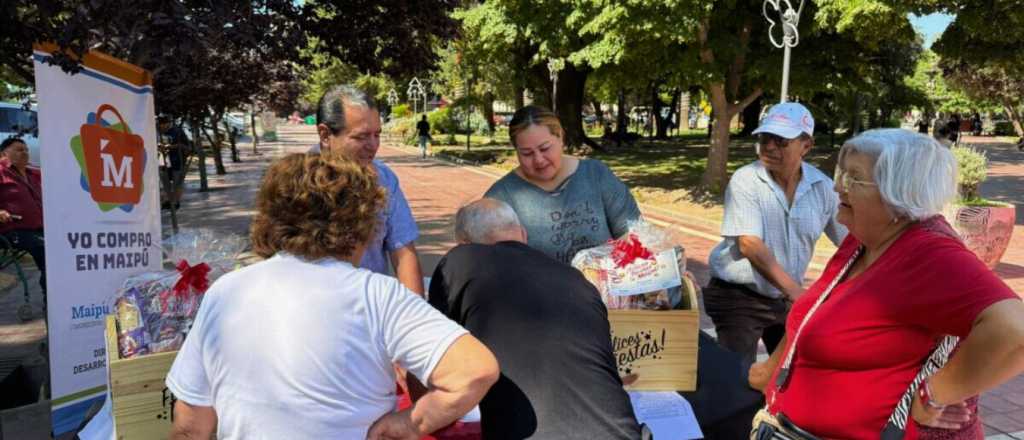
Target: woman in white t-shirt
point(302, 345)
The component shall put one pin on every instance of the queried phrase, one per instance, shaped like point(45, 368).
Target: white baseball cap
point(788, 119)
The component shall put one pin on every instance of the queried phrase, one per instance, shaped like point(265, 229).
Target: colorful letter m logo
point(114, 160)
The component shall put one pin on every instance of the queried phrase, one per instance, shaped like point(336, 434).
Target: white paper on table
point(667, 414)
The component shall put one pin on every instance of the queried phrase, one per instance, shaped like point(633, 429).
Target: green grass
point(488, 150)
point(672, 166)
point(979, 202)
point(678, 163)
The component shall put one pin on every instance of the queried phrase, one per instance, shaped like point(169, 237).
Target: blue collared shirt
point(756, 205)
point(398, 228)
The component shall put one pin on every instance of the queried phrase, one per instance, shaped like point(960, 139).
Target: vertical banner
point(101, 212)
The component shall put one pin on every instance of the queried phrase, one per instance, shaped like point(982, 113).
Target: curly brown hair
point(315, 206)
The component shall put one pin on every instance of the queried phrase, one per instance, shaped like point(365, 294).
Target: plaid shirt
point(756, 205)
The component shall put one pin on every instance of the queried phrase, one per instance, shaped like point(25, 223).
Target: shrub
point(401, 111)
point(1003, 128)
point(441, 121)
point(403, 127)
point(973, 170)
point(479, 124)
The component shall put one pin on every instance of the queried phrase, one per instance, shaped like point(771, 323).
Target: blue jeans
point(423, 144)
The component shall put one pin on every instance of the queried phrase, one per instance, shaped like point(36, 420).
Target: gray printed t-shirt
point(589, 208)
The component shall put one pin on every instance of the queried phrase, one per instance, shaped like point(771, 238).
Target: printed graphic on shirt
point(568, 227)
point(112, 160)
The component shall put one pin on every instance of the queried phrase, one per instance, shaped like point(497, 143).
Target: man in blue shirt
point(348, 123)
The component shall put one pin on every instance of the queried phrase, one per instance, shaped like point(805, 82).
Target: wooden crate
point(142, 405)
point(660, 347)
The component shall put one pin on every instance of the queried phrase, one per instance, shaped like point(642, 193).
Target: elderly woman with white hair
point(894, 295)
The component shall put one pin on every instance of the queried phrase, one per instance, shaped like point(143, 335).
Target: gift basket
point(642, 270)
point(652, 307)
point(154, 310)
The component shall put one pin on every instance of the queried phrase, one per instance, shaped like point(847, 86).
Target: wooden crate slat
point(660, 346)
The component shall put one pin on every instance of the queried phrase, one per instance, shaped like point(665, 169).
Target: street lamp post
point(554, 66)
point(790, 18)
point(414, 92)
point(425, 96)
point(392, 97)
point(392, 102)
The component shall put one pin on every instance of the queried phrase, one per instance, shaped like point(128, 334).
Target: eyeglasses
point(844, 181)
point(780, 142)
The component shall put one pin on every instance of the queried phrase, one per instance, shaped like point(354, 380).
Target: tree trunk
point(1015, 118)
point(599, 114)
point(664, 123)
point(255, 137)
point(488, 110)
point(649, 122)
point(751, 117)
point(718, 155)
point(541, 86)
point(233, 139)
point(621, 118)
point(885, 116)
point(569, 99)
point(714, 178)
point(855, 121)
point(673, 111)
point(201, 155)
point(215, 145)
point(519, 90)
point(684, 111)
point(660, 125)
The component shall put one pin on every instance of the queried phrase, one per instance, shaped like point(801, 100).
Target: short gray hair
point(915, 174)
point(483, 220)
point(330, 111)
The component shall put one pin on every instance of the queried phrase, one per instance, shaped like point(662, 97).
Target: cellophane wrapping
point(154, 310)
point(639, 247)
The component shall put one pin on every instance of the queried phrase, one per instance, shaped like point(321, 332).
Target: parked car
point(16, 120)
point(237, 121)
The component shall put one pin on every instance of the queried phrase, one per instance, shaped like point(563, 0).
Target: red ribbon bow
point(194, 277)
point(627, 249)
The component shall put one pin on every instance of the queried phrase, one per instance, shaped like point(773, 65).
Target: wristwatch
point(925, 393)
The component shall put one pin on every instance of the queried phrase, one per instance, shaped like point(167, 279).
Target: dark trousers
point(31, 241)
point(743, 316)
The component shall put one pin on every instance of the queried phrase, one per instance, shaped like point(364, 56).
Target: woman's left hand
point(953, 416)
point(394, 426)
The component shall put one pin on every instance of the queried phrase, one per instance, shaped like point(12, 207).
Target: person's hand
point(793, 292)
point(394, 426)
point(693, 279)
point(759, 375)
point(5, 216)
point(953, 416)
point(630, 379)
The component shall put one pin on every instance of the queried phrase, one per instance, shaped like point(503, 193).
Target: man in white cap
point(775, 211)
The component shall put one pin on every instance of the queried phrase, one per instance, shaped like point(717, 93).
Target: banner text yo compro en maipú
point(109, 250)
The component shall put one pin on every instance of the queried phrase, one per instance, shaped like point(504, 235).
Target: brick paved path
point(1003, 408)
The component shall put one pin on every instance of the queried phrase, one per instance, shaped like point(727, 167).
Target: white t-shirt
point(287, 348)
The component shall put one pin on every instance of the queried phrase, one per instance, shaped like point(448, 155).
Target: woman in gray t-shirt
point(566, 204)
